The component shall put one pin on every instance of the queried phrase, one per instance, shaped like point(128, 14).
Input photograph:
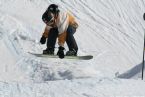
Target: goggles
point(48, 18)
point(48, 22)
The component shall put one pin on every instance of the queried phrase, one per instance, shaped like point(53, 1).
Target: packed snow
point(110, 30)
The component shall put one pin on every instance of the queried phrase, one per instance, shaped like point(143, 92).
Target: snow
point(110, 30)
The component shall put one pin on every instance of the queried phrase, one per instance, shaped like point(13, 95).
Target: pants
point(70, 40)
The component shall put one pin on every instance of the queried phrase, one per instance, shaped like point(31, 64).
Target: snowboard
point(85, 57)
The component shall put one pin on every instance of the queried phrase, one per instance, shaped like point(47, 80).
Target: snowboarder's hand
point(42, 40)
point(144, 16)
point(60, 52)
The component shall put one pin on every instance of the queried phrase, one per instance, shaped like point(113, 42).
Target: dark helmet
point(47, 17)
point(53, 8)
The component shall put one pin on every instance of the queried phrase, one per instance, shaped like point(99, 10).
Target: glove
point(144, 16)
point(60, 52)
point(42, 40)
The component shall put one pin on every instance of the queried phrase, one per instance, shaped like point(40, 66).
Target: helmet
point(47, 18)
point(53, 8)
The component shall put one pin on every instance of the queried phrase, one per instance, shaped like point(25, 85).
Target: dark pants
point(53, 34)
point(70, 40)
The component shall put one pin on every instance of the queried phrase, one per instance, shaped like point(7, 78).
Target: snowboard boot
point(71, 53)
point(48, 51)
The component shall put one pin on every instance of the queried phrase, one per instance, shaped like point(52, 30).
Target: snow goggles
point(48, 18)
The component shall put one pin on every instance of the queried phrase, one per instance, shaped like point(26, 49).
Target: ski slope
point(110, 30)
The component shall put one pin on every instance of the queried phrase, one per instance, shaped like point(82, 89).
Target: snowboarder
point(61, 25)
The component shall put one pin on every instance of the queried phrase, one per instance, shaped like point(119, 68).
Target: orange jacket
point(63, 20)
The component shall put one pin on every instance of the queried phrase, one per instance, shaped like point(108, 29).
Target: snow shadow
point(134, 72)
point(39, 71)
point(66, 74)
point(48, 74)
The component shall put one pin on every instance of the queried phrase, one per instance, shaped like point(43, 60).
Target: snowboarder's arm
point(62, 24)
point(61, 39)
point(46, 31)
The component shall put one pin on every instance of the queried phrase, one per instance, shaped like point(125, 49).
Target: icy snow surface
point(110, 30)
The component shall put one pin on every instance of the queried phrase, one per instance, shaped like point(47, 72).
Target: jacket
point(62, 22)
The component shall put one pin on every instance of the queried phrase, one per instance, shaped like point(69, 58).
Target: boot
point(71, 53)
point(48, 51)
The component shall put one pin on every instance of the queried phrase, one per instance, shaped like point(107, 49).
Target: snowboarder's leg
point(51, 41)
point(71, 42)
